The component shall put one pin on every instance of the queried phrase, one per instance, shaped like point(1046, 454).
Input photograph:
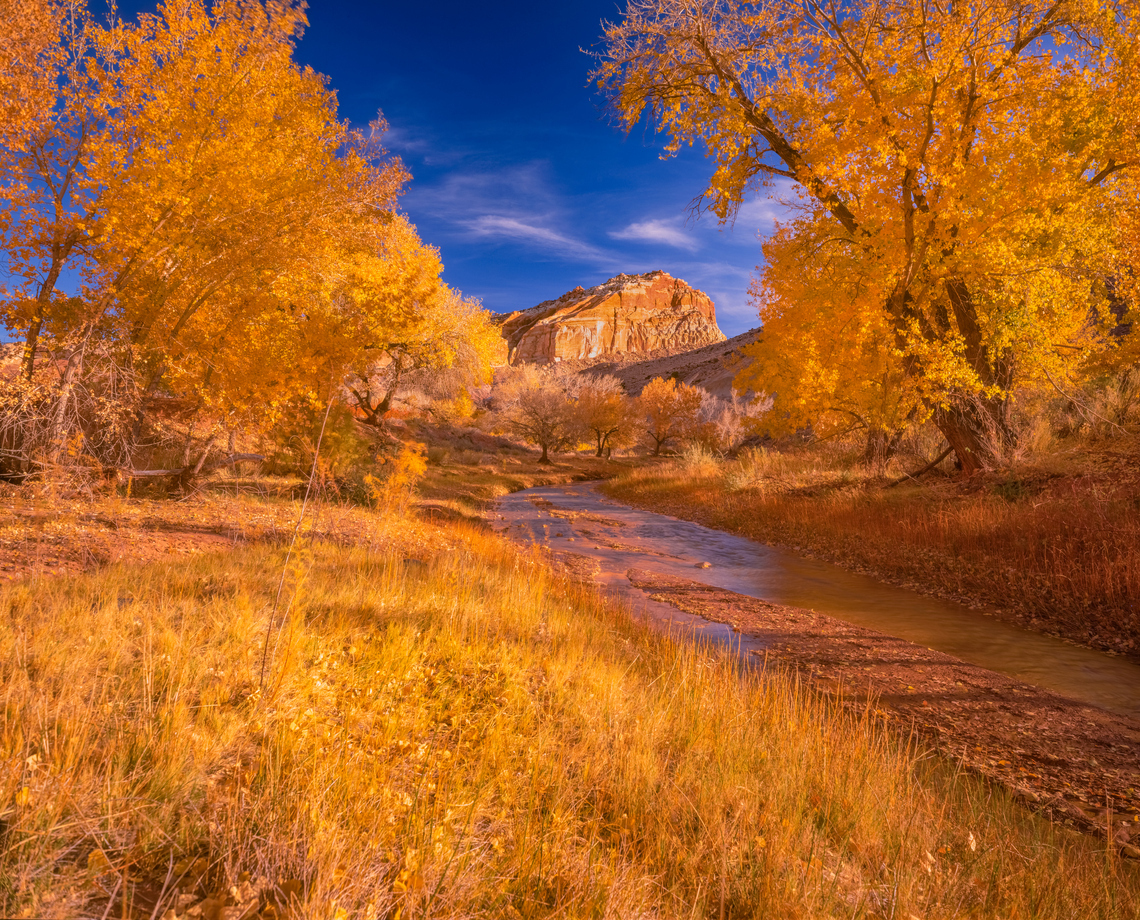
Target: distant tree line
point(556, 410)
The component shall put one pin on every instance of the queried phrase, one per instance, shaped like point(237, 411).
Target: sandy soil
point(42, 538)
point(1078, 763)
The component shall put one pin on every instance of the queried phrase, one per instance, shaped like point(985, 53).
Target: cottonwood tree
point(830, 362)
point(257, 231)
point(445, 334)
point(969, 152)
point(668, 411)
point(30, 54)
point(604, 412)
point(226, 226)
point(533, 404)
point(50, 125)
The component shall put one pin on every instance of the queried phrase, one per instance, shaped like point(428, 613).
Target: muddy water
point(579, 520)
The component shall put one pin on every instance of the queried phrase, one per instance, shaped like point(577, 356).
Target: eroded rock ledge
point(629, 314)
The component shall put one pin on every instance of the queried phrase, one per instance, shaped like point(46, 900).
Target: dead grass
point(464, 486)
point(1055, 547)
point(446, 729)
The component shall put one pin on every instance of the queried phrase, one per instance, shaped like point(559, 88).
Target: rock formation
point(636, 314)
point(712, 368)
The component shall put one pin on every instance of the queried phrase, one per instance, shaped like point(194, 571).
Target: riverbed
point(581, 521)
point(1058, 725)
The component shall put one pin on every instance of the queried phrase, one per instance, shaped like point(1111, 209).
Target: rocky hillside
point(629, 314)
point(712, 367)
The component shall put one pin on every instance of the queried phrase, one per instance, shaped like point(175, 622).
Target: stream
point(577, 519)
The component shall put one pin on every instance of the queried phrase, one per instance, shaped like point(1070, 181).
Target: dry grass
point(1056, 549)
point(445, 729)
point(464, 485)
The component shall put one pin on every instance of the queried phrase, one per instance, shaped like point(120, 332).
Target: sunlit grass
point(445, 729)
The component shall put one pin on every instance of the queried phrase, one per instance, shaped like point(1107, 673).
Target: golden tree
point(534, 405)
point(30, 55)
point(244, 216)
point(49, 127)
point(604, 412)
point(439, 331)
point(829, 362)
point(227, 227)
point(970, 153)
point(668, 410)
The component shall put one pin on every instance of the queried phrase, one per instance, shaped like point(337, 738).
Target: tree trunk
point(978, 431)
point(60, 253)
point(60, 431)
point(31, 342)
point(882, 444)
point(544, 458)
point(386, 402)
point(976, 427)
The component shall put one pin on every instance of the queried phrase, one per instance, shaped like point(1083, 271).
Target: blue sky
point(519, 176)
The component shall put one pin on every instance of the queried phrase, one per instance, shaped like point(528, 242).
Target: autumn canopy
point(962, 182)
point(230, 247)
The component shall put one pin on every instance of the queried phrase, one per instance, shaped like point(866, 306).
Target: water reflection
point(621, 538)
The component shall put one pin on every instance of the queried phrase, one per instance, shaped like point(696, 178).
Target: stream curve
point(578, 519)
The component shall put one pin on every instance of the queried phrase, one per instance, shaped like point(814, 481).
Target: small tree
point(533, 404)
point(722, 424)
point(668, 410)
point(545, 418)
point(604, 412)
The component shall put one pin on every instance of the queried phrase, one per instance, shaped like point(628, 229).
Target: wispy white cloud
point(524, 231)
point(778, 204)
point(657, 231)
point(402, 139)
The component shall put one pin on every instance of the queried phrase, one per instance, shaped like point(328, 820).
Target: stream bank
point(1056, 724)
point(1055, 551)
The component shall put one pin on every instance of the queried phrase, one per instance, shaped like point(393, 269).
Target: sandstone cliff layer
point(629, 314)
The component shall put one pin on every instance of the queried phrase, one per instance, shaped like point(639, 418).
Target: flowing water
point(621, 538)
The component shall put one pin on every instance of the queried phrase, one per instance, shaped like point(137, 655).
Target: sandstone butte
point(629, 314)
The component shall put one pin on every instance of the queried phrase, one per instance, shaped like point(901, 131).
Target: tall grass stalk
point(292, 543)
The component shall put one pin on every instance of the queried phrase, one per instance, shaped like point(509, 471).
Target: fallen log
point(926, 469)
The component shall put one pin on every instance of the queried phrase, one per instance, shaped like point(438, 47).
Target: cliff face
point(628, 314)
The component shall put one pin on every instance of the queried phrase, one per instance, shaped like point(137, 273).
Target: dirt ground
point(41, 536)
point(1077, 763)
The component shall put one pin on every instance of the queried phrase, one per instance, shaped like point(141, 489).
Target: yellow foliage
point(238, 243)
point(668, 410)
point(965, 163)
point(395, 491)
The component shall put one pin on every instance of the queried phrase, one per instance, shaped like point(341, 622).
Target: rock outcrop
point(712, 368)
point(629, 314)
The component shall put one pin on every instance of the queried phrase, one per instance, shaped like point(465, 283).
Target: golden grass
point(1061, 553)
point(465, 487)
point(446, 729)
